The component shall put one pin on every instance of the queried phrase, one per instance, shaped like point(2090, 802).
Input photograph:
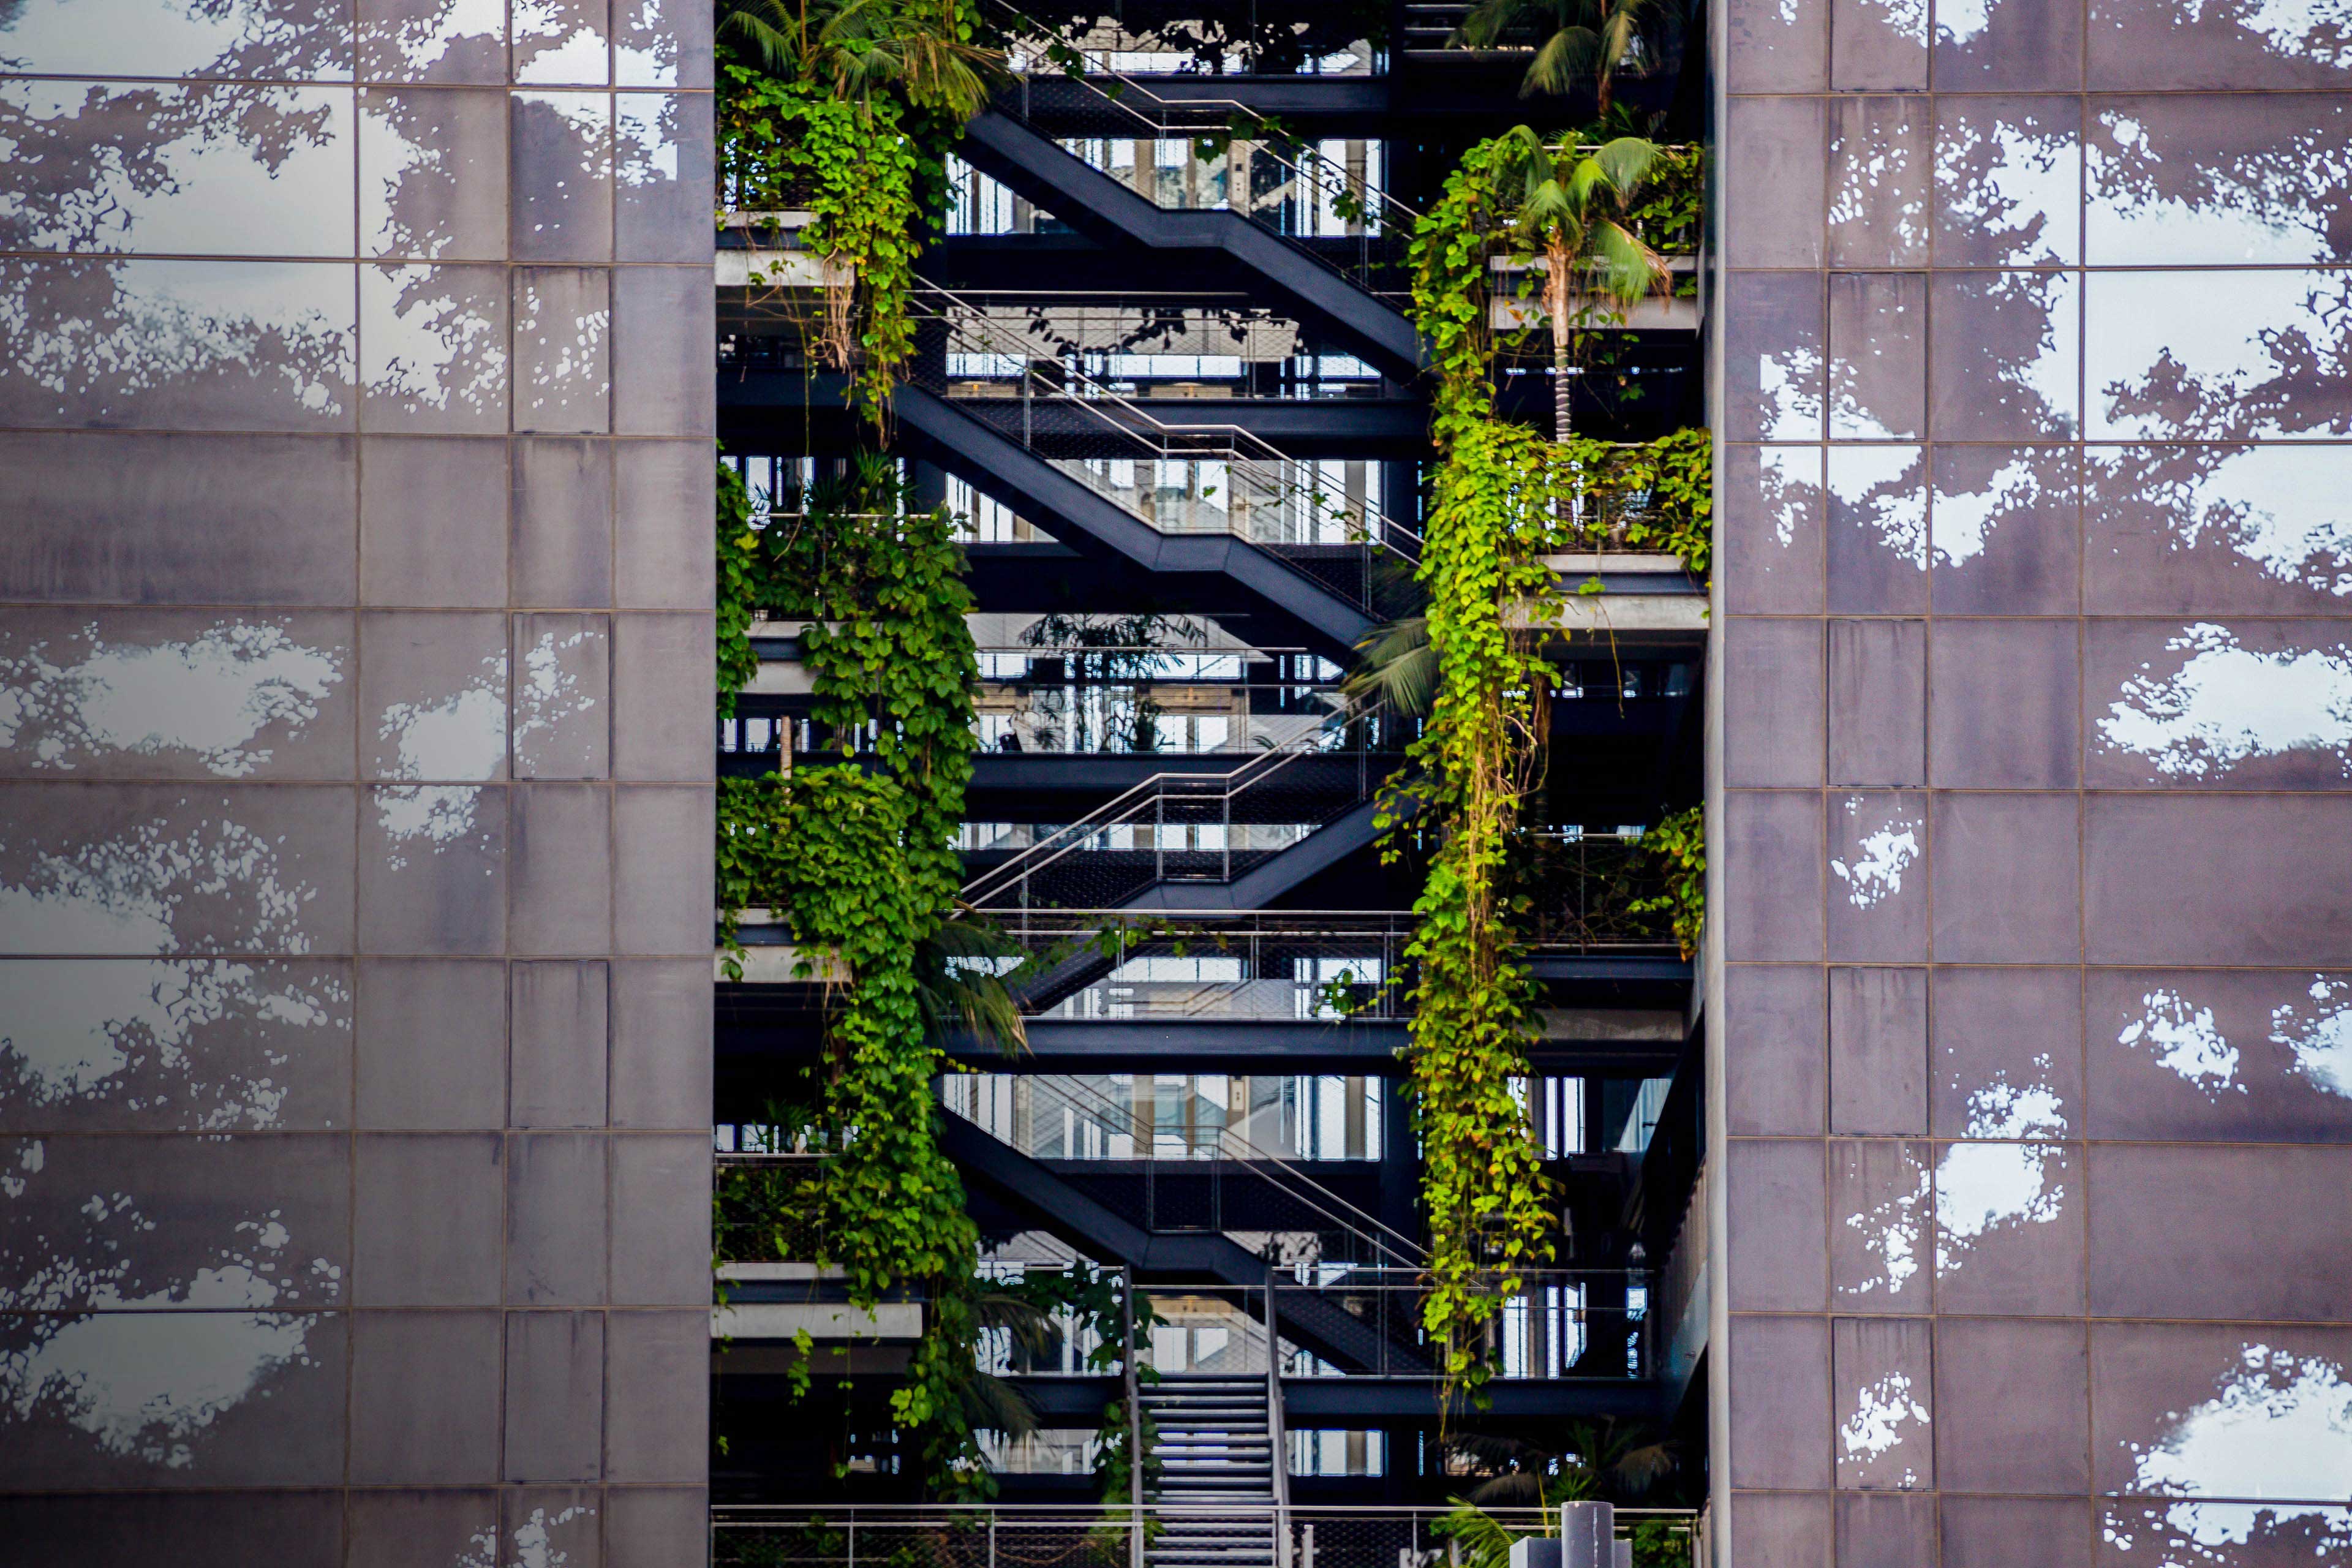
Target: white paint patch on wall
point(125, 1029)
point(1890, 1232)
point(1886, 1417)
point(2319, 1038)
point(1875, 874)
point(210, 697)
point(1983, 1189)
point(146, 1385)
point(2186, 1042)
point(2227, 704)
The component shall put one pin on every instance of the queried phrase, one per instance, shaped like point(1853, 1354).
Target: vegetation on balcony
point(863, 866)
point(1503, 498)
point(846, 110)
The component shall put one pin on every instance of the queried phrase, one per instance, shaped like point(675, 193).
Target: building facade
point(1977, 1196)
point(357, 415)
point(2031, 900)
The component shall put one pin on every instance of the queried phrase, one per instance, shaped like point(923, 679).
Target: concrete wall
point(2033, 679)
point(355, 420)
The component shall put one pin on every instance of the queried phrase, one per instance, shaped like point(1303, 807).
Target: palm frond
point(991, 1402)
point(1513, 1488)
point(1627, 162)
point(1570, 56)
point(1485, 1541)
point(1399, 668)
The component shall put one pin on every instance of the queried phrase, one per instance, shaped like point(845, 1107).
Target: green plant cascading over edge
point(1502, 496)
point(1680, 842)
point(1487, 1199)
point(847, 108)
point(863, 865)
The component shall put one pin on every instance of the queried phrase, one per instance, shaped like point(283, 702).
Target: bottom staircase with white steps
point(1214, 1440)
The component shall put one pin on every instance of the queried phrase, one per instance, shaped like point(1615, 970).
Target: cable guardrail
point(1092, 1536)
point(1230, 1143)
point(1174, 479)
point(1382, 223)
point(1199, 799)
point(1133, 431)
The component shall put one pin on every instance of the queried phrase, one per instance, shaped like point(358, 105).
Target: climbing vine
point(1671, 210)
point(738, 588)
point(863, 866)
point(1502, 496)
point(1483, 1188)
point(1679, 843)
point(1650, 495)
point(846, 110)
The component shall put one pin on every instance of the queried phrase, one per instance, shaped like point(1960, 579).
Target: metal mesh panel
point(761, 1212)
point(1116, 1536)
point(1324, 199)
point(1177, 829)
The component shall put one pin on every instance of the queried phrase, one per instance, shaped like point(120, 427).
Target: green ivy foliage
point(863, 865)
point(1674, 473)
point(738, 578)
point(1671, 213)
point(856, 131)
point(1502, 496)
point(1488, 1204)
point(1680, 843)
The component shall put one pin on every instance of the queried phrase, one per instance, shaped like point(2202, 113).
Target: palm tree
point(960, 983)
point(1600, 1461)
point(1581, 39)
point(1570, 206)
point(861, 48)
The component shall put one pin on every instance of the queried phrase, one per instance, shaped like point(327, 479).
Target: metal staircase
point(1186, 840)
point(1025, 424)
point(1224, 1476)
point(1010, 144)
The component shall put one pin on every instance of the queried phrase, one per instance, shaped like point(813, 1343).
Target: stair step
point(1191, 1470)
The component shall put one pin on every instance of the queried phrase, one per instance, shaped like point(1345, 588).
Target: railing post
point(1228, 835)
point(1277, 1442)
point(1134, 1419)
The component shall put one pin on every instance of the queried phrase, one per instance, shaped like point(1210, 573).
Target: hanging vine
point(1679, 843)
point(846, 110)
point(863, 866)
point(1502, 497)
point(1488, 1203)
point(738, 588)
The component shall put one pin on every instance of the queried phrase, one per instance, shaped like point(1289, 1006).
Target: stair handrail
point(1316, 1196)
point(1244, 446)
point(1069, 839)
point(1131, 90)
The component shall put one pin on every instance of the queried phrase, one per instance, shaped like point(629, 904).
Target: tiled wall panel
point(2033, 782)
point(354, 1025)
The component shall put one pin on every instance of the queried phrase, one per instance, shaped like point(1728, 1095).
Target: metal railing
point(1558, 1324)
point(1286, 1199)
point(1015, 1535)
point(1129, 108)
point(1136, 825)
point(1291, 966)
point(761, 1208)
point(1037, 393)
